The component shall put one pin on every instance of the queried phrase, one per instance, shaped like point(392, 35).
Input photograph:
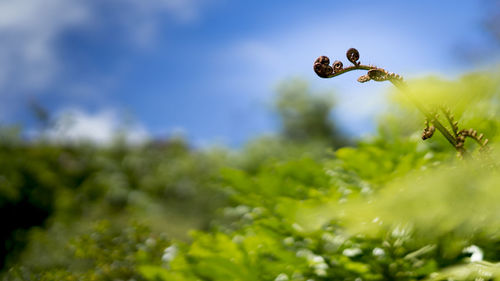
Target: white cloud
point(30, 30)
point(75, 125)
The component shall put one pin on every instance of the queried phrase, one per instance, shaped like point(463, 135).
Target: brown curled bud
point(323, 70)
point(428, 132)
point(323, 60)
point(337, 66)
point(353, 56)
point(322, 67)
point(377, 75)
point(364, 78)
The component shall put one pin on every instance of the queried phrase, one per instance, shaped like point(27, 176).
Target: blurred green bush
point(289, 207)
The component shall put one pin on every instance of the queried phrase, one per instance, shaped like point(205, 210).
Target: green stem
point(452, 140)
point(402, 86)
point(351, 68)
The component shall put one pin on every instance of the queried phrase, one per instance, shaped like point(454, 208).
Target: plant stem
point(323, 69)
point(351, 68)
point(432, 118)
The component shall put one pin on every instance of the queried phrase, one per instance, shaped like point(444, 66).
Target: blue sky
point(208, 68)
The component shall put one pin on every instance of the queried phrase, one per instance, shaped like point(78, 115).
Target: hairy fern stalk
point(454, 136)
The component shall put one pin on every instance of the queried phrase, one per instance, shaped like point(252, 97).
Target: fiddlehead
point(353, 56)
point(462, 135)
point(337, 66)
point(428, 130)
point(456, 138)
point(322, 67)
point(471, 133)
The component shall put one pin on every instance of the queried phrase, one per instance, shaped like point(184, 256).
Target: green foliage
point(65, 189)
point(391, 208)
point(472, 99)
point(305, 116)
point(106, 253)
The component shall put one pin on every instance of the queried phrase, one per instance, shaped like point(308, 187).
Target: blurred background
point(208, 69)
point(126, 126)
